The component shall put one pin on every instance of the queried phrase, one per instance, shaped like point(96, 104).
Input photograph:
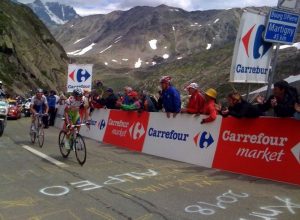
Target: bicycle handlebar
point(41, 114)
point(79, 125)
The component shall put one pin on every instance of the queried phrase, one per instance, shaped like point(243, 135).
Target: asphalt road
point(119, 184)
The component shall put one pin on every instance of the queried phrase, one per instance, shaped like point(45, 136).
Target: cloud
point(86, 7)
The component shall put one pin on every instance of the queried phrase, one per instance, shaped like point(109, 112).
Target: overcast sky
point(86, 7)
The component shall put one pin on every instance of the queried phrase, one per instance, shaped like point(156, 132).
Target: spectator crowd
point(283, 102)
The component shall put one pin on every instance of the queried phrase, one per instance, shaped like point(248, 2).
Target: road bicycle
point(37, 131)
point(77, 143)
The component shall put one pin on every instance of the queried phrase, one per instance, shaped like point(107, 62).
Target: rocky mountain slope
point(136, 47)
point(145, 36)
point(30, 57)
point(53, 13)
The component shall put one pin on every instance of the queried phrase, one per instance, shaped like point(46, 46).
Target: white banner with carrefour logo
point(182, 138)
point(80, 76)
point(252, 55)
point(98, 124)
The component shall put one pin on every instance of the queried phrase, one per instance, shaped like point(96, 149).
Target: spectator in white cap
point(196, 101)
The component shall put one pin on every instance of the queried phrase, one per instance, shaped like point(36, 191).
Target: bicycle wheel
point(40, 136)
point(32, 136)
point(80, 149)
point(61, 143)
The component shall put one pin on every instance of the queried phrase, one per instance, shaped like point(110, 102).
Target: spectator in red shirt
point(210, 106)
point(196, 101)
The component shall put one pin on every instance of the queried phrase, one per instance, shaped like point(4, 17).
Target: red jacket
point(196, 103)
point(210, 109)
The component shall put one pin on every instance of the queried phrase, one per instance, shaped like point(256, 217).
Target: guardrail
point(264, 147)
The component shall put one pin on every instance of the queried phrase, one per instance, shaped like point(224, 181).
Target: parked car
point(14, 110)
point(3, 115)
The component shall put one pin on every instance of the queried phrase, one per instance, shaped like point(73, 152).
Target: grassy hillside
point(208, 69)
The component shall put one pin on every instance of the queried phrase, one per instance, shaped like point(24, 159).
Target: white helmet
point(193, 86)
point(165, 79)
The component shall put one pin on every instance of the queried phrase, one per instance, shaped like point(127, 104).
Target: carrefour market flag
point(252, 55)
point(80, 76)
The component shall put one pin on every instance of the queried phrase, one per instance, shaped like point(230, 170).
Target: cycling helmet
point(39, 90)
point(165, 79)
point(77, 92)
point(193, 86)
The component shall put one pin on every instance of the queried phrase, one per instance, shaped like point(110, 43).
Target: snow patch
point(290, 79)
point(173, 28)
point(63, 12)
point(124, 59)
point(297, 45)
point(165, 47)
point(86, 49)
point(72, 25)
point(216, 20)
point(152, 44)
point(117, 41)
point(166, 56)
point(195, 24)
point(115, 61)
point(118, 38)
point(147, 62)
point(53, 17)
point(153, 63)
point(208, 46)
point(102, 51)
point(74, 52)
point(138, 64)
point(179, 58)
point(173, 9)
point(78, 40)
point(106, 63)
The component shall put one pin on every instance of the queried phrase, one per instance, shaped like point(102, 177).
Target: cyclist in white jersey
point(74, 113)
point(39, 105)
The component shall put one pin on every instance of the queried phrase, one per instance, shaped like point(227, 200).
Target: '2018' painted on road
point(226, 198)
point(87, 185)
point(267, 212)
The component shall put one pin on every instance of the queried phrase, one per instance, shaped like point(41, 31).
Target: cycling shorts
point(39, 108)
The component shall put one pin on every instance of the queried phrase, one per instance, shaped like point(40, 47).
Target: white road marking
point(44, 156)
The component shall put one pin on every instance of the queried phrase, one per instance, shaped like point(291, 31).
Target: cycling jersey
point(39, 105)
point(73, 107)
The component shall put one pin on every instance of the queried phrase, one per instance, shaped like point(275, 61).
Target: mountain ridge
point(138, 46)
point(53, 14)
point(177, 33)
point(30, 57)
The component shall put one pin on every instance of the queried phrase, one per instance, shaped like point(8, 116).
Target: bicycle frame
point(39, 121)
point(76, 141)
point(74, 129)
